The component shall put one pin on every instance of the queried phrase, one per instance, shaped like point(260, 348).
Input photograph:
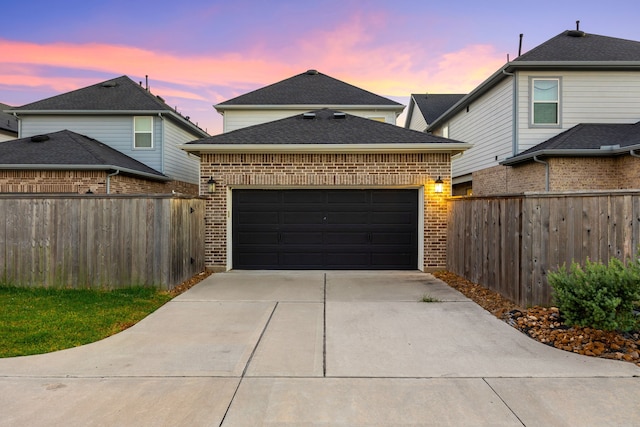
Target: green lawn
point(37, 320)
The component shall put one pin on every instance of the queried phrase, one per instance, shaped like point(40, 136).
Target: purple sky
point(199, 53)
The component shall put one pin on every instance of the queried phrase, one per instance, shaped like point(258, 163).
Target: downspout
point(162, 148)
point(19, 124)
point(109, 180)
point(514, 122)
point(546, 172)
point(633, 154)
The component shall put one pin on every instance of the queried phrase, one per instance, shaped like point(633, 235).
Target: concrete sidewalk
point(318, 348)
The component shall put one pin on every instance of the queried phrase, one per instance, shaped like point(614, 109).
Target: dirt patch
point(546, 324)
point(189, 283)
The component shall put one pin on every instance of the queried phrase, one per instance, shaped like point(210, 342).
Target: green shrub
point(598, 296)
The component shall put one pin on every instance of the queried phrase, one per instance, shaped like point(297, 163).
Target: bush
point(598, 296)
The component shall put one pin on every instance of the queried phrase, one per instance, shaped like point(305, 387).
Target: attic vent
point(39, 138)
point(109, 84)
point(339, 115)
point(312, 72)
point(309, 116)
point(576, 33)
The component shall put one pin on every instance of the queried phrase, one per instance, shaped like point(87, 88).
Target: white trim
point(435, 147)
point(152, 147)
point(421, 218)
point(229, 212)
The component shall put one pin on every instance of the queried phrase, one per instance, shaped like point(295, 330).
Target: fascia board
point(594, 152)
point(82, 167)
point(453, 148)
point(308, 107)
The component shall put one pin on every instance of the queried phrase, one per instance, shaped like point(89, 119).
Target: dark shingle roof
point(120, 93)
point(310, 88)
point(323, 126)
point(580, 46)
point(433, 106)
point(7, 121)
point(67, 148)
point(586, 139)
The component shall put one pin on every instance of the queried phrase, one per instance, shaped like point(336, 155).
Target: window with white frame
point(143, 132)
point(545, 102)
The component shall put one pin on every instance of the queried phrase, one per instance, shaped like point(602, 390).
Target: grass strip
point(42, 320)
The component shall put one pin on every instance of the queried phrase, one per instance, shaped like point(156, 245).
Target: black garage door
point(325, 229)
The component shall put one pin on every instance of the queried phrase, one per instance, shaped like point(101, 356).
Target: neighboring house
point(127, 117)
point(67, 162)
point(308, 91)
point(574, 78)
point(325, 190)
point(424, 108)
point(8, 124)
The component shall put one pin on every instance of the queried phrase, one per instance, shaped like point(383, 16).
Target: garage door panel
point(330, 229)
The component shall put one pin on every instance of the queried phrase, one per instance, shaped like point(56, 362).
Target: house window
point(143, 132)
point(545, 96)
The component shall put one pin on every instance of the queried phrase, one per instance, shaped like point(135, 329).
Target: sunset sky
point(198, 53)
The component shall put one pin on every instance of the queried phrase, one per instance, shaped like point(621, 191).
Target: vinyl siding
point(179, 165)
point(488, 126)
point(237, 119)
point(417, 121)
point(114, 131)
point(586, 97)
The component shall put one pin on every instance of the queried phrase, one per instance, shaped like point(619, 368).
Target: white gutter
point(328, 148)
point(307, 107)
point(593, 152)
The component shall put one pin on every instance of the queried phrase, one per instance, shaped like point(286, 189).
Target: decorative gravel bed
point(546, 324)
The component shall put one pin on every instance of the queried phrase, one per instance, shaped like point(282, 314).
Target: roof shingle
point(309, 88)
point(67, 148)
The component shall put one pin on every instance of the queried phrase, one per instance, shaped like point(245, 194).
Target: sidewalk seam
point(503, 401)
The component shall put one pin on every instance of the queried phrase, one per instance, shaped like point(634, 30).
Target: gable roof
point(8, 122)
point(432, 105)
point(569, 50)
point(310, 88)
point(324, 130)
point(67, 150)
point(580, 46)
point(585, 139)
point(115, 96)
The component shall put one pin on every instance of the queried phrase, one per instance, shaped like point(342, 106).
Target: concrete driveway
point(318, 348)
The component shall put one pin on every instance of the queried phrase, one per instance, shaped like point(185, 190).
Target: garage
point(341, 229)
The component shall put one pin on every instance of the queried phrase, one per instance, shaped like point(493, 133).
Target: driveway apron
point(248, 348)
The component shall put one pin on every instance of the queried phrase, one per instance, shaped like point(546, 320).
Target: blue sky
point(199, 53)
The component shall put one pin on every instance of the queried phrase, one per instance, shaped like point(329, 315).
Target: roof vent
point(312, 72)
point(576, 33)
point(309, 116)
point(160, 98)
point(112, 83)
point(339, 115)
point(39, 138)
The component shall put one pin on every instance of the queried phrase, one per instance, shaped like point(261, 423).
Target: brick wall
point(565, 174)
point(326, 171)
point(33, 181)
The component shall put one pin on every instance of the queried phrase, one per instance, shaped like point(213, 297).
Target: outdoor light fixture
point(438, 186)
point(211, 186)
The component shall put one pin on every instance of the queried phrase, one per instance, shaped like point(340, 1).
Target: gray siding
point(586, 97)
point(115, 131)
point(179, 165)
point(488, 126)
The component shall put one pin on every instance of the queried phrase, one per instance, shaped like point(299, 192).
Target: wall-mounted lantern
point(438, 186)
point(211, 186)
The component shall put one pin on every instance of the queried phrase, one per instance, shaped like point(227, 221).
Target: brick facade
point(565, 174)
point(71, 181)
point(385, 170)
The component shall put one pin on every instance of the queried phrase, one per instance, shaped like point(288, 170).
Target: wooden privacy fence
point(509, 243)
point(113, 241)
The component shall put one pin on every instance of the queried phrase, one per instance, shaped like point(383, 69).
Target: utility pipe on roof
point(109, 180)
point(546, 172)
